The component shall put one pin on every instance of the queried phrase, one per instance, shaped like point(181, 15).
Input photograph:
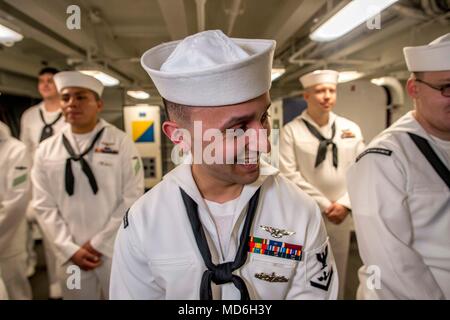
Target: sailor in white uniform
point(38, 123)
point(84, 179)
point(316, 149)
point(222, 229)
point(400, 189)
point(14, 197)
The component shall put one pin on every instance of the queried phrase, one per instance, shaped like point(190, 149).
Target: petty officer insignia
point(323, 281)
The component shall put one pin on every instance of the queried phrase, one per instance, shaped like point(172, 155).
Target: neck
point(213, 189)
point(321, 118)
point(83, 129)
point(429, 128)
point(52, 104)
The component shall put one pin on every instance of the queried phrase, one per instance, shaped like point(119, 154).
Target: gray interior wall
point(364, 103)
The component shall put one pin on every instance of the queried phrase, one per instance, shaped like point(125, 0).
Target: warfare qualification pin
point(277, 233)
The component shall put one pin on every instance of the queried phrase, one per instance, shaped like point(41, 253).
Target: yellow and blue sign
point(143, 131)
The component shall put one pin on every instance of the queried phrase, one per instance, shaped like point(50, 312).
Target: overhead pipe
point(201, 4)
point(234, 12)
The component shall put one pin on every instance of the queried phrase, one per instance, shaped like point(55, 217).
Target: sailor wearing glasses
point(400, 189)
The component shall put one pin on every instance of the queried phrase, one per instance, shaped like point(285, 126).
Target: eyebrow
point(78, 92)
point(235, 120)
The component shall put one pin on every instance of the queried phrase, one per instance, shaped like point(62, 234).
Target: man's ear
point(100, 105)
point(176, 134)
point(411, 87)
point(306, 94)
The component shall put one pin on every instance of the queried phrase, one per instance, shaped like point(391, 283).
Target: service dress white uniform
point(401, 209)
point(156, 255)
point(31, 125)
point(14, 197)
point(326, 183)
point(30, 134)
point(73, 220)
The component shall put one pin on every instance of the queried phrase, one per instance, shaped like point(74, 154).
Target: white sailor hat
point(432, 57)
point(319, 77)
point(77, 79)
point(210, 69)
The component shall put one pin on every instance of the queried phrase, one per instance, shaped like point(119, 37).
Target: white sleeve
point(316, 276)
point(25, 134)
point(132, 189)
point(131, 276)
point(360, 146)
point(47, 212)
point(377, 188)
point(15, 200)
point(290, 169)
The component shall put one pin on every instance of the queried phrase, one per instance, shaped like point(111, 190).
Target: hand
point(91, 249)
point(85, 259)
point(336, 213)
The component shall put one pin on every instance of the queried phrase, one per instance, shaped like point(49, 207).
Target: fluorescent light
point(348, 18)
point(378, 81)
point(104, 78)
point(347, 76)
point(277, 72)
point(137, 94)
point(9, 36)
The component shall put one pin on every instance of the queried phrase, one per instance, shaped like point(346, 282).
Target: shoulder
point(159, 203)
point(30, 113)
point(293, 193)
point(297, 206)
point(13, 147)
point(45, 147)
point(294, 123)
point(348, 124)
point(117, 134)
point(387, 145)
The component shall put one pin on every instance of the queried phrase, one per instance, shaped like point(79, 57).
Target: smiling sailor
point(84, 179)
point(231, 228)
point(316, 150)
point(400, 189)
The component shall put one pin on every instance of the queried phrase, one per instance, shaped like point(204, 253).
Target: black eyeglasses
point(445, 89)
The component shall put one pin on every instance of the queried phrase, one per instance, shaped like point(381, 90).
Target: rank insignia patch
point(275, 248)
point(125, 219)
point(385, 152)
point(325, 276)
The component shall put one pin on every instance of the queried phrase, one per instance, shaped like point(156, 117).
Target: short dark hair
point(176, 111)
point(418, 75)
point(48, 70)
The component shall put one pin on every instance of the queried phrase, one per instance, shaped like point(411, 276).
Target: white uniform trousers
point(54, 269)
point(340, 244)
point(14, 274)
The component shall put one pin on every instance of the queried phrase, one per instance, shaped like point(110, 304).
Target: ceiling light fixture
point(348, 18)
point(138, 94)
point(277, 72)
point(8, 36)
point(347, 76)
point(106, 79)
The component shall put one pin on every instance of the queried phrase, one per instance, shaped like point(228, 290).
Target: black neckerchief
point(323, 144)
point(69, 178)
point(221, 273)
point(47, 130)
point(432, 157)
